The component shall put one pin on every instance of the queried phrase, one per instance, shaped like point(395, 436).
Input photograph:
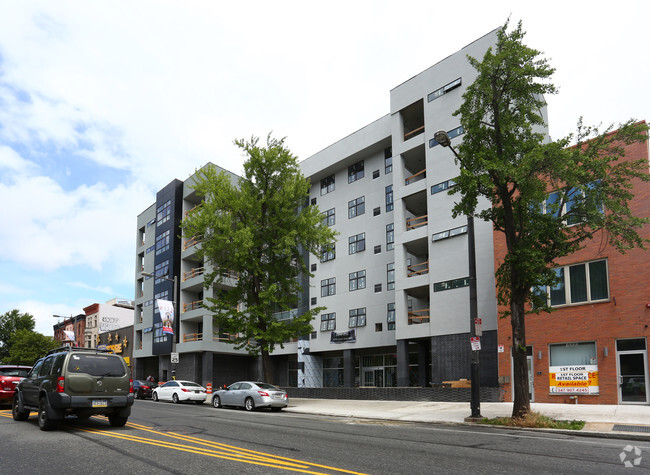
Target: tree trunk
point(521, 405)
point(267, 369)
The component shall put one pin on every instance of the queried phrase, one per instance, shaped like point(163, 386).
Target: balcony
point(188, 307)
point(416, 222)
point(421, 175)
point(190, 242)
point(413, 120)
point(417, 269)
point(197, 271)
point(418, 316)
point(192, 337)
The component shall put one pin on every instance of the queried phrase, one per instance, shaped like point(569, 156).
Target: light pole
point(176, 317)
point(443, 139)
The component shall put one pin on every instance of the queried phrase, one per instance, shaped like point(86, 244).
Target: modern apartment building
point(395, 283)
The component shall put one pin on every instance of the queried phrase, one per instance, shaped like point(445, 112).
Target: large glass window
point(161, 270)
point(163, 213)
point(328, 287)
point(328, 253)
point(573, 354)
point(358, 280)
point(390, 316)
point(390, 236)
point(329, 217)
point(357, 207)
point(389, 198)
point(327, 185)
point(357, 317)
point(162, 242)
point(355, 172)
point(388, 160)
point(390, 276)
point(580, 283)
point(328, 322)
point(357, 243)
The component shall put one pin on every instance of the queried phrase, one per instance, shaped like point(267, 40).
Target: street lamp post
point(443, 139)
point(175, 304)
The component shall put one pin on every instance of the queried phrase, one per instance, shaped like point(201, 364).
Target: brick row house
point(593, 348)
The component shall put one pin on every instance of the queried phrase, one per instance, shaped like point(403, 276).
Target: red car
point(10, 375)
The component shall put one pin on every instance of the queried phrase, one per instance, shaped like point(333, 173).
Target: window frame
point(357, 243)
point(328, 287)
point(568, 285)
point(356, 207)
point(327, 185)
point(357, 280)
point(357, 317)
point(328, 322)
point(356, 171)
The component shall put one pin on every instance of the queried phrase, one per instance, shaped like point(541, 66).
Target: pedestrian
point(150, 379)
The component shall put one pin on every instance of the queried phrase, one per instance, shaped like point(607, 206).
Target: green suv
point(81, 381)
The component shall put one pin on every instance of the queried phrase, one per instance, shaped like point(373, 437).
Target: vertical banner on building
point(166, 309)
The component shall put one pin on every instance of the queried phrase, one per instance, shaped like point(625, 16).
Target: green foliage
point(534, 420)
point(506, 160)
point(260, 230)
point(27, 346)
point(10, 323)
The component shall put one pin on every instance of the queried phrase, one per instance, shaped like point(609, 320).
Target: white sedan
point(177, 391)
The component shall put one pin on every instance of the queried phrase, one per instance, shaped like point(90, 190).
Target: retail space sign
point(573, 379)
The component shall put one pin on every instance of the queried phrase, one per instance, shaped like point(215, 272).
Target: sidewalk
point(621, 421)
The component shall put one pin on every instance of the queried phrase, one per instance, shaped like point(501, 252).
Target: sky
point(104, 103)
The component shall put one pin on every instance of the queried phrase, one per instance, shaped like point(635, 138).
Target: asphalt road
point(191, 439)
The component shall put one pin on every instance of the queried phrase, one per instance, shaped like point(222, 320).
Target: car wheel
point(154, 396)
point(117, 421)
point(249, 404)
point(44, 421)
point(17, 414)
point(216, 402)
point(276, 409)
point(175, 398)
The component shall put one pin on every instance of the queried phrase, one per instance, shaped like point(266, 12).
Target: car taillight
point(130, 386)
point(263, 394)
point(60, 384)
point(185, 390)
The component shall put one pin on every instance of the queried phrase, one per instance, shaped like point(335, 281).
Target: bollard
point(208, 388)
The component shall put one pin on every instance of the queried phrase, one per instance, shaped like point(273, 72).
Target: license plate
point(100, 403)
point(278, 396)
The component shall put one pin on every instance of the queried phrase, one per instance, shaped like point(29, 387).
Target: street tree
point(27, 346)
point(260, 231)
point(548, 198)
point(10, 323)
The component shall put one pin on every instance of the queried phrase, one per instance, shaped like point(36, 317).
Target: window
point(313, 267)
point(328, 253)
point(357, 317)
point(162, 242)
point(150, 249)
point(357, 243)
point(327, 322)
point(327, 185)
point(355, 172)
point(161, 270)
point(313, 201)
point(313, 300)
point(444, 89)
point(390, 317)
point(563, 203)
point(378, 249)
point(328, 287)
point(452, 133)
point(378, 327)
point(357, 207)
point(572, 354)
point(390, 236)
point(163, 213)
point(579, 283)
point(375, 174)
point(376, 211)
point(451, 284)
point(329, 217)
point(358, 280)
point(389, 198)
point(449, 233)
point(445, 185)
point(390, 276)
point(388, 160)
point(377, 288)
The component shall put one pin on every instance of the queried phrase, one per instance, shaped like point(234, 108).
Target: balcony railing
point(418, 269)
point(414, 132)
point(412, 223)
point(421, 175)
point(223, 337)
point(190, 242)
point(192, 337)
point(193, 273)
point(192, 305)
point(418, 316)
point(230, 274)
point(189, 211)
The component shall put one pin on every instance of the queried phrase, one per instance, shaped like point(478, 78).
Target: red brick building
point(594, 351)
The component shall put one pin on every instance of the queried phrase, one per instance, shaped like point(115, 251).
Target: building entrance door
point(632, 371)
point(373, 377)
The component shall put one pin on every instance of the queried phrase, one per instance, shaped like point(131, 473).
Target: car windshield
point(267, 386)
point(96, 365)
point(22, 373)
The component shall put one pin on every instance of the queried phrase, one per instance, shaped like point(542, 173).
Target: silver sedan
point(251, 395)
